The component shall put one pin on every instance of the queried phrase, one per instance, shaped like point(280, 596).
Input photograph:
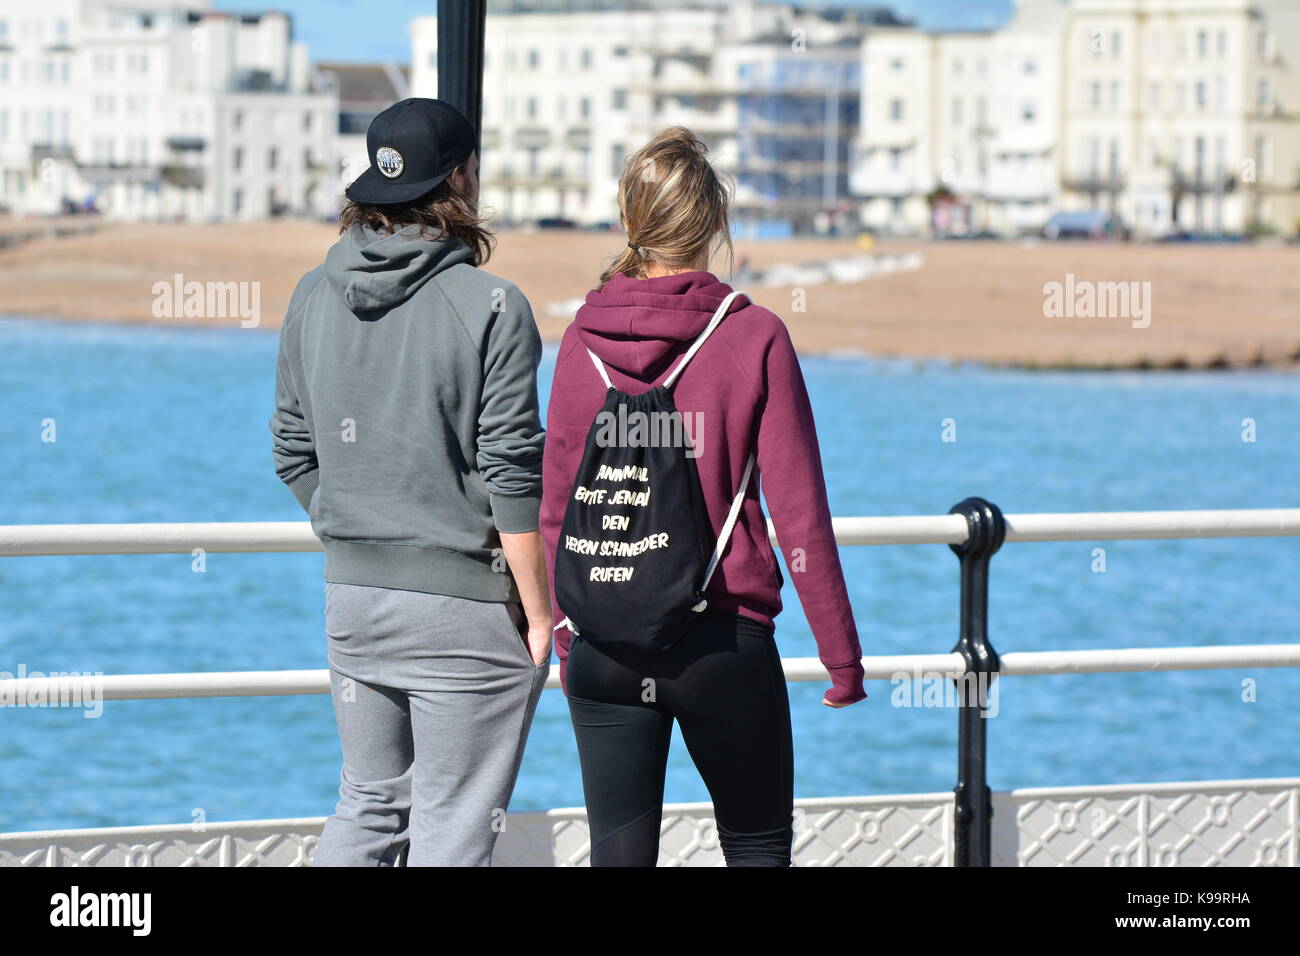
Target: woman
point(722, 680)
point(406, 423)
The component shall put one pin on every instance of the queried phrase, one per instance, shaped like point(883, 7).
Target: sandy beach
point(1202, 305)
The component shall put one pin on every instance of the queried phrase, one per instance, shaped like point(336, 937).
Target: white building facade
point(1170, 115)
point(570, 91)
point(160, 110)
point(1185, 117)
point(960, 132)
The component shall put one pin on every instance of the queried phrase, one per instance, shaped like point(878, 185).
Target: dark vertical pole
point(460, 57)
point(973, 806)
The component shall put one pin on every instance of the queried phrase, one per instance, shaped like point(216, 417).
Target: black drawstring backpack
point(633, 560)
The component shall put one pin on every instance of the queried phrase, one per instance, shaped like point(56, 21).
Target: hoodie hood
point(638, 326)
point(377, 270)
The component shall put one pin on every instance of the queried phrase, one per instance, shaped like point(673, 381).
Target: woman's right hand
point(839, 705)
point(846, 686)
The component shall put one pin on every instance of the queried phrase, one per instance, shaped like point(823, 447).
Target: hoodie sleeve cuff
point(846, 683)
point(304, 486)
point(516, 514)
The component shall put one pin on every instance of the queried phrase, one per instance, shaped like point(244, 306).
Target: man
point(407, 426)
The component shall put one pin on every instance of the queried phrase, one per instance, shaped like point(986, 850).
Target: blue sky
point(369, 30)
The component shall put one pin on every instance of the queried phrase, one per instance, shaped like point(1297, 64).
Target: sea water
point(162, 425)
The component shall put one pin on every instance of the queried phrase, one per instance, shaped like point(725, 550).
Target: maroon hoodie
point(743, 385)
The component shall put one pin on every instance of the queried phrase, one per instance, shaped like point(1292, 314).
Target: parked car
point(556, 222)
point(1185, 235)
point(1085, 224)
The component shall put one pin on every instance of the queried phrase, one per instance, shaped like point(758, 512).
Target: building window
point(1263, 95)
point(956, 111)
point(619, 99)
point(237, 158)
point(584, 107)
point(1200, 94)
point(1030, 67)
point(1114, 96)
point(896, 110)
point(895, 160)
point(237, 120)
point(1115, 39)
point(1028, 112)
point(1223, 43)
point(585, 59)
point(1094, 94)
point(272, 158)
point(532, 107)
point(306, 122)
point(533, 59)
point(1202, 44)
point(617, 159)
point(236, 201)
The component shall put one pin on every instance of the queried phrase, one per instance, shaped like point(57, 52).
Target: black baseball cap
point(413, 146)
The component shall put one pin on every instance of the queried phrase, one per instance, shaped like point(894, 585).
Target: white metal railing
point(296, 536)
point(279, 536)
point(878, 667)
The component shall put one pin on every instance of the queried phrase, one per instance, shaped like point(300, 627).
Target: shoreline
point(848, 355)
point(1205, 307)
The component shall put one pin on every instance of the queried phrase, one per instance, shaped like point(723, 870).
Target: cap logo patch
point(389, 161)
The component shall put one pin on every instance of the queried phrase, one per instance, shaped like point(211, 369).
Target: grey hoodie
point(406, 418)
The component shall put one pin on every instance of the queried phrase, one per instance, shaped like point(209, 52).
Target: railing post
point(973, 804)
point(461, 35)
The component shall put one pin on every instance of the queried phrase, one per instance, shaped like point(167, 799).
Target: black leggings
point(724, 685)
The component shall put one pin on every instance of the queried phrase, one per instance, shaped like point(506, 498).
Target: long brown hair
point(439, 213)
point(673, 205)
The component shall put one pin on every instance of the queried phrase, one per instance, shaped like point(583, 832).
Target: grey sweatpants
point(434, 696)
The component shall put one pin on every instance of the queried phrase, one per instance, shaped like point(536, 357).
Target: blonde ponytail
point(673, 205)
